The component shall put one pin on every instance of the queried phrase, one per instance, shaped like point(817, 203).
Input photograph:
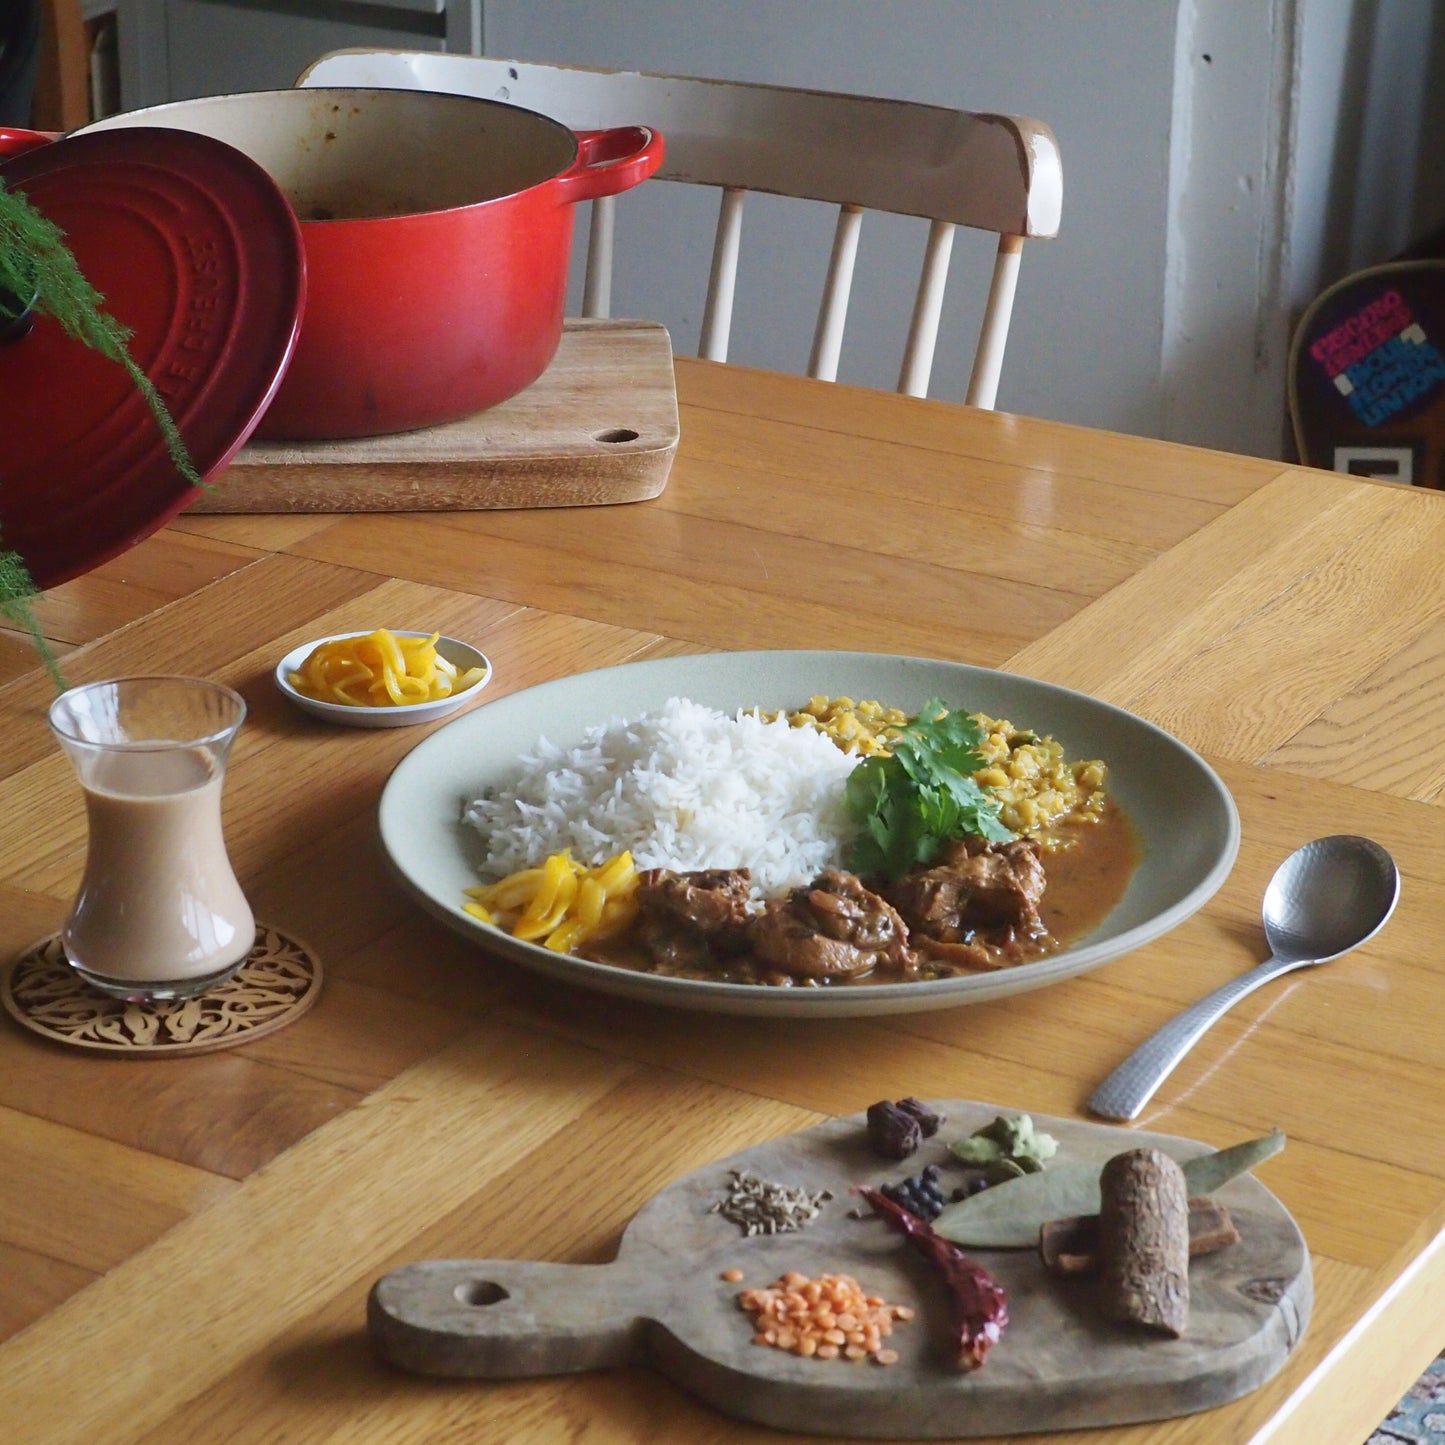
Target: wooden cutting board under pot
point(598, 427)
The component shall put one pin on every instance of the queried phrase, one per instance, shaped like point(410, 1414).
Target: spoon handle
point(1132, 1084)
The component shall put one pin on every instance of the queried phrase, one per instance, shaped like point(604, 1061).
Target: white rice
point(684, 787)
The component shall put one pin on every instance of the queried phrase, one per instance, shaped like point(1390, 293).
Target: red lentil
point(822, 1318)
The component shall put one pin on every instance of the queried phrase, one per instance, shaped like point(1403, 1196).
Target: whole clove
point(979, 1305)
point(1144, 1242)
point(1071, 1245)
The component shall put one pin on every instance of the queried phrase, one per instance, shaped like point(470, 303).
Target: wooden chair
point(995, 173)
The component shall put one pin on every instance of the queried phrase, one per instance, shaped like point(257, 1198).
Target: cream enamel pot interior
point(437, 231)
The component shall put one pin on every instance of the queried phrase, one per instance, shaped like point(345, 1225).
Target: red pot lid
point(197, 251)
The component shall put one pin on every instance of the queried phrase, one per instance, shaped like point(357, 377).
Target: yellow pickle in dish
point(380, 669)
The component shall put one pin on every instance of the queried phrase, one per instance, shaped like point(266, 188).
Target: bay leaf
point(1207, 1172)
point(1010, 1215)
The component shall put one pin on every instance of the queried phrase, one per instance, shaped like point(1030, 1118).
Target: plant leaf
point(1009, 1215)
point(17, 595)
point(1206, 1173)
point(921, 795)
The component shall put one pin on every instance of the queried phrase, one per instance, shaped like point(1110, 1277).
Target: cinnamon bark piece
point(1144, 1242)
point(1071, 1245)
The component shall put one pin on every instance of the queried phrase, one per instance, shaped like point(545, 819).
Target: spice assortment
point(777, 1284)
point(1139, 1244)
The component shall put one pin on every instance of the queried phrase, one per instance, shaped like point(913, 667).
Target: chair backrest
point(994, 173)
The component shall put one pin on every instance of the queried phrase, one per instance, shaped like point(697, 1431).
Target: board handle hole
point(616, 434)
point(480, 1292)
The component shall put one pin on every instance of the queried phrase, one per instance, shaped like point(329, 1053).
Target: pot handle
point(15, 141)
point(609, 161)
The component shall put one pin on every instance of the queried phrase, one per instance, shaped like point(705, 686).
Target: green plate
point(1186, 821)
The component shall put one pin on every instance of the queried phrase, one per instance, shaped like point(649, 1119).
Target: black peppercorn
point(919, 1194)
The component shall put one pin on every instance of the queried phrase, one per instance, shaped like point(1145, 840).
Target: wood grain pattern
point(209, 1228)
point(598, 427)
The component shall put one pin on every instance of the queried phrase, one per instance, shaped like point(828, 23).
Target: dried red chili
point(980, 1307)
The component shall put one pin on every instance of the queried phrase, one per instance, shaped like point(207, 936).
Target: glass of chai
point(159, 914)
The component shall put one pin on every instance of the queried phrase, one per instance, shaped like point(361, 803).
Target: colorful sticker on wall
point(1380, 360)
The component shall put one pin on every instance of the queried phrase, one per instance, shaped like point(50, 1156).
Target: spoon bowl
point(1329, 897)
point(1325, 899)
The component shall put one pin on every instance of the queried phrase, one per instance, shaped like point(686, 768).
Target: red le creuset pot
point(437, 231)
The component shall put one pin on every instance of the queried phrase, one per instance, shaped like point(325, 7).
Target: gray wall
point(1086, 334)
point(1224, 161)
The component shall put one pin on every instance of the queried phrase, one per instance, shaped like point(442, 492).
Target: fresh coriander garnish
point(921, 796)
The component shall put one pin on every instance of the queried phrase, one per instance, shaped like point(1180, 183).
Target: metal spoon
point(1325, 899)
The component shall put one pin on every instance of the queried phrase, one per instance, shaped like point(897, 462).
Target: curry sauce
point(1088, 878)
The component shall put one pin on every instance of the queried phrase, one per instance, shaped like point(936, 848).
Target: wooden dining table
point(187, 1244)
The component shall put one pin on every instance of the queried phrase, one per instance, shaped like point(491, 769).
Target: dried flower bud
point(928, 1120)
point(892, 1131)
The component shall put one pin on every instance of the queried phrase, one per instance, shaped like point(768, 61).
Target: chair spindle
point(993, 334)
point(597, 288)
point(828, 337)
point(717, 319)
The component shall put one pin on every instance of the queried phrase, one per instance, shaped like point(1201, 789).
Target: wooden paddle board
point(599, 426)
point(663, 1302)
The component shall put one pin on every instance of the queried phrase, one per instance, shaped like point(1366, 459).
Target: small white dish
point(462, 655)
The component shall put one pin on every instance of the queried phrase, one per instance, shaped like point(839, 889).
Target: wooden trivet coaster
point(278, 982)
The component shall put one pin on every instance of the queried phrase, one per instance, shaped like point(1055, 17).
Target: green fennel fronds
point(16, 594)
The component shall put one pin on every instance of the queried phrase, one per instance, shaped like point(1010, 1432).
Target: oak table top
point(187, 1244)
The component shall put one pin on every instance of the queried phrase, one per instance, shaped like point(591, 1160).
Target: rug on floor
point(1419, 1419)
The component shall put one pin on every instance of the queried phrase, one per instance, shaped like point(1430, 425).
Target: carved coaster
point(278, 982)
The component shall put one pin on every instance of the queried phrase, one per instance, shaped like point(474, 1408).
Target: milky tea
point(159, 900)
point(159, 912)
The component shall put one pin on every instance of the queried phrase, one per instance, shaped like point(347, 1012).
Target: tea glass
point(159, 914)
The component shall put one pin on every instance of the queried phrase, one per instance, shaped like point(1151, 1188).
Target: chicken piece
point(709, 900)
point(832, 928)
point(688, 919)
point(973, 887)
